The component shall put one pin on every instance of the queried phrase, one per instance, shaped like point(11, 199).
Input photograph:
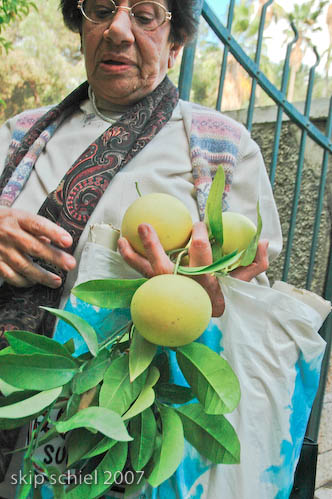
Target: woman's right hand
point(23, 236)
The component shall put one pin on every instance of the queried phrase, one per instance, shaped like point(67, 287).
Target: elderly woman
point(70, 167)
point(132, 107)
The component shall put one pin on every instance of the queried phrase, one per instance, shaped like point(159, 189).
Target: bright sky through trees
point(276, 49)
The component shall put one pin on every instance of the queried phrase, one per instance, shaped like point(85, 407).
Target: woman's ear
point(173, 53)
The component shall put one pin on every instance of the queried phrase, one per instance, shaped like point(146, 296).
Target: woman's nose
point(120, 29)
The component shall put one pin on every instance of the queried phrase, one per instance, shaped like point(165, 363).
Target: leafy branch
point(119, 409)
point(11, 10)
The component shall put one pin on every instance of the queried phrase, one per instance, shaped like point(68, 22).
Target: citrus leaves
point(212, 435)
point(91, 373)
point(101, 419)
point(41, 372)
point(30, 405)
point(250, 253)
point(213, 213)
point(105, 472)
point(117, 392)
point(213, 219)
point(141, 354)
point(220, 265)
point(146, 397)
point(116, 405)
point(108, 293)
point(82, 327)
point(169, 452)
point(211, 378)
point(23, 342)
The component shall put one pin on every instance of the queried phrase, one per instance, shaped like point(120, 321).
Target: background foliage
point(44, 63)
point(40, 60)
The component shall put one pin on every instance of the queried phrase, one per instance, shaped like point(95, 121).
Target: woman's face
point(125, 63)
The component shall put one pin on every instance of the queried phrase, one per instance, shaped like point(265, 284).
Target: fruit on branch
point(238, 232)
point(171, 310)
point(168, 216)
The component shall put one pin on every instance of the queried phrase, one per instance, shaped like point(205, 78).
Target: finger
point(12, 277)
point(45, 277)
point(262, 257)
point(37, 247)
point(132, 258)
point(32, 272)
point(211, 285)
point(41, 226)
point(259, 265)
point(44, 239)
point(200, 252)
point(159, 261)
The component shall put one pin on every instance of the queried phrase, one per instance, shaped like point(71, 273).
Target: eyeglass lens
point(146, 15)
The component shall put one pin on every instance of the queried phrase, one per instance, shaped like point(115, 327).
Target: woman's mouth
point(116, 64)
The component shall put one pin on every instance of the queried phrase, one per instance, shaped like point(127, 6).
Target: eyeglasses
point(147, 15)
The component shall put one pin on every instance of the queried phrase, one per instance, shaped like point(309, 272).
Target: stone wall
point(263, 132)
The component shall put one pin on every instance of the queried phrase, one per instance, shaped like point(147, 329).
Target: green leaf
point(108, 293)
point(24, 342)
point(173, 394)
point(171, 450)
point(216, 266)
point(250, 253)
point(162, 364)
point(55, 479)
point(117, 392)
point(7, 389)
point(103, 475)
point(82, 327)
point(101, 419)
point(141, 354)
point(6, 351)
point(212, 435)
point(213, 213)
point(26, 485)
point(37, 372)
point(30, 405)
point(146, 397)
point(210, 376)
point(92, 372)
point(72, 405)
point(11, 424)
point(14, 398)
point(135, 488)
point(143, 429)
point(79, 443)
point(70, 346)
point(102, 446)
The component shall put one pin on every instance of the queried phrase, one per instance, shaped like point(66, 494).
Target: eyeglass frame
point(168, 14)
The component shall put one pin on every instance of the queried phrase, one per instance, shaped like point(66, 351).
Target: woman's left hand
point(157, 262)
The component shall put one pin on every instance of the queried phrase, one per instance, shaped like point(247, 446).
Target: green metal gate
point(307, 130)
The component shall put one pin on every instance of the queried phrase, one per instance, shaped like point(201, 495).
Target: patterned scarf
point(78, 193)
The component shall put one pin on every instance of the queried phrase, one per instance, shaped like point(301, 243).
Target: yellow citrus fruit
point(238, 231)
point(171, 310)
point(168, 216)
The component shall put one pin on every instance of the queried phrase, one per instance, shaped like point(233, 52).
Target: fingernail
point(143, 230)
point(70, 262)
point(66, 239)
point(56, 282)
